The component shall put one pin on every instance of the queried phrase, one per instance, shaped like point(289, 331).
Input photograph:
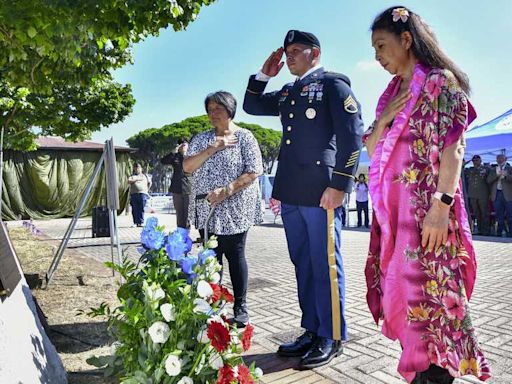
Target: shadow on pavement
point(270, 362)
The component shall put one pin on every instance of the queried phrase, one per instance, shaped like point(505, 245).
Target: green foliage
point(77, 40)
point(60, 54)
point(269, 141)
point(71, 112)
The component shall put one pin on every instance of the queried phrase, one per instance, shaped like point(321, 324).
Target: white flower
point(158, 294)
point(202, 336)
point(215, 361)
point(235, 371)
point(212, 243)
point(168, 312)
point(235, 339)
point(258, 372)
point(159, 332)
point(215, 278)
point(201, 306)
point(153, 291)
point(173, 365)
point(186, 380)
point(204, 289)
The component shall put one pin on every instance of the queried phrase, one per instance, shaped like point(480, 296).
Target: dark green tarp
point(48, 184)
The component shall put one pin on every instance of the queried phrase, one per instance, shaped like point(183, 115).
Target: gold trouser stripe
point(342, 174)
point(333, 274)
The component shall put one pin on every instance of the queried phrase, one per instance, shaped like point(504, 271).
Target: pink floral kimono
point(422, 297)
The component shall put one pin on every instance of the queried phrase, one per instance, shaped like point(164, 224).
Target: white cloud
point(367, 66)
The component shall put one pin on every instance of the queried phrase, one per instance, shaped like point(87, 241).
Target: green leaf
point(31, 32)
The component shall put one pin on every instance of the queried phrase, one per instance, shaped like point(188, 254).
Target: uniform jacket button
point(318, 162)
point(289, 128)
point(291, 115)
point(288, 141)
point(292, 102)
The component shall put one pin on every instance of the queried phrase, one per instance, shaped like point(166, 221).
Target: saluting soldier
point(478, 193)
point(319, 155)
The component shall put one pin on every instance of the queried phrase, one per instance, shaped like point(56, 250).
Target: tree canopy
point(56, 58)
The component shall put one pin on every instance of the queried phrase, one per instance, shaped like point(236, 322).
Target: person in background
point(478, 193)
point(421, 265)
point(500, 180)
point(139, 193)
point(180, 183)
point(344, 210)
point(226, 162)
point(361, 189)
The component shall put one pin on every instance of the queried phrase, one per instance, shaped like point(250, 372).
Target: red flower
point(244, 375)
point(226, 375)
point(217, 293)
point(219, 336)
point(247, 336)
point(227, 296)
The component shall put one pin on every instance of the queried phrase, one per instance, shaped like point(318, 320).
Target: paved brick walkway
point(368, 357)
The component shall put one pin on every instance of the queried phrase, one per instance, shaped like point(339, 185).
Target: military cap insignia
point(291, 35)
point(350, 105)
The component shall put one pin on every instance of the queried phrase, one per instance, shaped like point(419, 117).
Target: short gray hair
point(226, 99)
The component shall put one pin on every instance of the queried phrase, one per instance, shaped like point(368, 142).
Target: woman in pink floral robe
point(421, 265)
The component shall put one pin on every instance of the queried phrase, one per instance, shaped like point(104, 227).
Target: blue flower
point(205, 254)
point(186, 238)
point(175, 247)
point(152, 238)
point(187, 265)
point(151, 223)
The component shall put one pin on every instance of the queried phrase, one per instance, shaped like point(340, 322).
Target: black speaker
point(100, 224)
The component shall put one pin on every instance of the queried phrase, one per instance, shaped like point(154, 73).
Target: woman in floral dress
point(421, 264)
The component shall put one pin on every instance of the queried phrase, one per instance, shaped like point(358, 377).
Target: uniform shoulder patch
point(350, 105)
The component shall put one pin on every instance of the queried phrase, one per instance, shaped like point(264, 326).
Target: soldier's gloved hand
point(332, 198)
point(273, 64)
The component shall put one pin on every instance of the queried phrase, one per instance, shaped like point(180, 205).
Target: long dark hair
point(425, 46)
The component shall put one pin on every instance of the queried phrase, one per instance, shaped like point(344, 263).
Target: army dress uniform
point(478, 193)
point(320, 147)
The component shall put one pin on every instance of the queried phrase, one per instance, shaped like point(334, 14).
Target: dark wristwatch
point(444, 198)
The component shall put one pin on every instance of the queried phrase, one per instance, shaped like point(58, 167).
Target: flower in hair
point(400, 14)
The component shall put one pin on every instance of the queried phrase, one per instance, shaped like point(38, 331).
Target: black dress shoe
point(299, 347)
point(321, 353)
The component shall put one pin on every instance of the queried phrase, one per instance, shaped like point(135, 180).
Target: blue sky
point(230, 40)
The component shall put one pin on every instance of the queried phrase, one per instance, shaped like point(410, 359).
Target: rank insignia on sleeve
point(350, 105)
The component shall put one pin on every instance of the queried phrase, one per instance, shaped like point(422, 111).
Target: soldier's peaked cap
point(294, 36)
